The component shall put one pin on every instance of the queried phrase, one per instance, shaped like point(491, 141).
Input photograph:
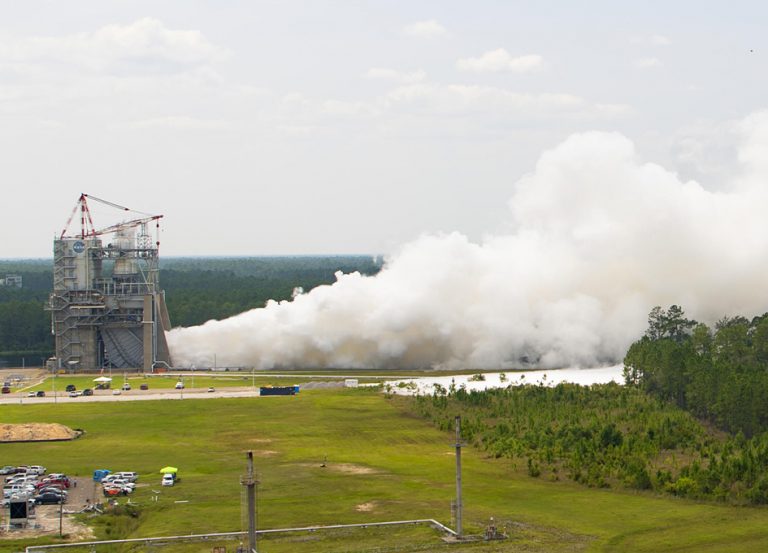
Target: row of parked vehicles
point(29, 482)
point(118, 483)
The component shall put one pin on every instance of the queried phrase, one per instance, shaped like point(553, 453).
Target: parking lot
point(81, 494)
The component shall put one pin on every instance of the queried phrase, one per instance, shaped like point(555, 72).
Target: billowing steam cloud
point(599, 239)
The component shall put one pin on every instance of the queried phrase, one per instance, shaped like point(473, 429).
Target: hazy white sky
point(285, 127)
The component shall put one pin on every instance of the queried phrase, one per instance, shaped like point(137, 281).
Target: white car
point(27, 489)
point(116, 392)
point(126, 475)
point(179, 385)
point(120, 483)
point(168, 480)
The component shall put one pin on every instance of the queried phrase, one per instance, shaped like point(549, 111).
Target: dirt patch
point(343, 468)
point(264, 453)
point(365, 507)
point(47, 520)
point(36, 432)
point(349, 468)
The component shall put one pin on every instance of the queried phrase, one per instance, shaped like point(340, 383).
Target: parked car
point(87, 392)
point(111, 490)
point(144, 387)
point(168, 480)
point(21, 477)
point(128, 476)
point(122, 482)
point(7, 469)
point(211, 389)
point(126, 387)
point(58, 482)
point(52, 489)
point(40, 393)
point(5, 502)
point(37, 469)
point(75, 393)
point(70, 388)
point(49, 498)
point(6, 389)
point(26, 488)
point(32, 394)
point(116, 392)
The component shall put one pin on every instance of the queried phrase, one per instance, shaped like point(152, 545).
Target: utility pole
point(250, 482)
point(459, 505)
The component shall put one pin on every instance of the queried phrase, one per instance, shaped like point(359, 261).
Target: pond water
point(425, 385)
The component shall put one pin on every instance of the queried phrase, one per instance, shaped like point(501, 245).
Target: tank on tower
point(107, 308)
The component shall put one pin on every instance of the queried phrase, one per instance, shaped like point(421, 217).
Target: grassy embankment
point(383, 464)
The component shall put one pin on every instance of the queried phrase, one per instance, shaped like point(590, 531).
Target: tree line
point(719, 374)
point(197, 290)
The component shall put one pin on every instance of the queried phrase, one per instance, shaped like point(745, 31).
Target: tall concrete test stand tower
point(107, 308)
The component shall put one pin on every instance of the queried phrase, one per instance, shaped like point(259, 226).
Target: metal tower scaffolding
point(107, 308)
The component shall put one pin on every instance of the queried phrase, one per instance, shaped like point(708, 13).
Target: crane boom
point(88, 229)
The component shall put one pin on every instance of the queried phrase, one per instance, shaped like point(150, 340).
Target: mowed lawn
point(381, 464)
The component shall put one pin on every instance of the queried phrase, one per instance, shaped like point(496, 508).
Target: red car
point(62, 483)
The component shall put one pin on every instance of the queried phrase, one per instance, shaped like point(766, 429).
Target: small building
point(11, 281)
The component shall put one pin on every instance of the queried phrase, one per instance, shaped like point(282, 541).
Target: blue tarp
point(98, 475)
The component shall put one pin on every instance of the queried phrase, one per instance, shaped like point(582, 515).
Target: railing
point(230, 535)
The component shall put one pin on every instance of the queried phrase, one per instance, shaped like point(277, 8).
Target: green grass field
point(382, 464)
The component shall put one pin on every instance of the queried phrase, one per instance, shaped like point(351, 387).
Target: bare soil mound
point(36, 432)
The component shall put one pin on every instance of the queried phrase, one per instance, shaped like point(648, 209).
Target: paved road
point(133, 395)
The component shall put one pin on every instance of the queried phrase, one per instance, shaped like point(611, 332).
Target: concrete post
point(459, 505)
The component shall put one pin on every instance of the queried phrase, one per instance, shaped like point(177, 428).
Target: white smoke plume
point(599, 239)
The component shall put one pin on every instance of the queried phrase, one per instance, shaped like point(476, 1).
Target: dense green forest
point(25, 327)
point(719, 374)
point(197, 289)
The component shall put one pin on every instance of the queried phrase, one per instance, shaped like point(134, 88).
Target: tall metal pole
point(459, 505)
point(250, 487)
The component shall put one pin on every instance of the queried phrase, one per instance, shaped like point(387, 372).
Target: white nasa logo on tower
point(78, 247)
